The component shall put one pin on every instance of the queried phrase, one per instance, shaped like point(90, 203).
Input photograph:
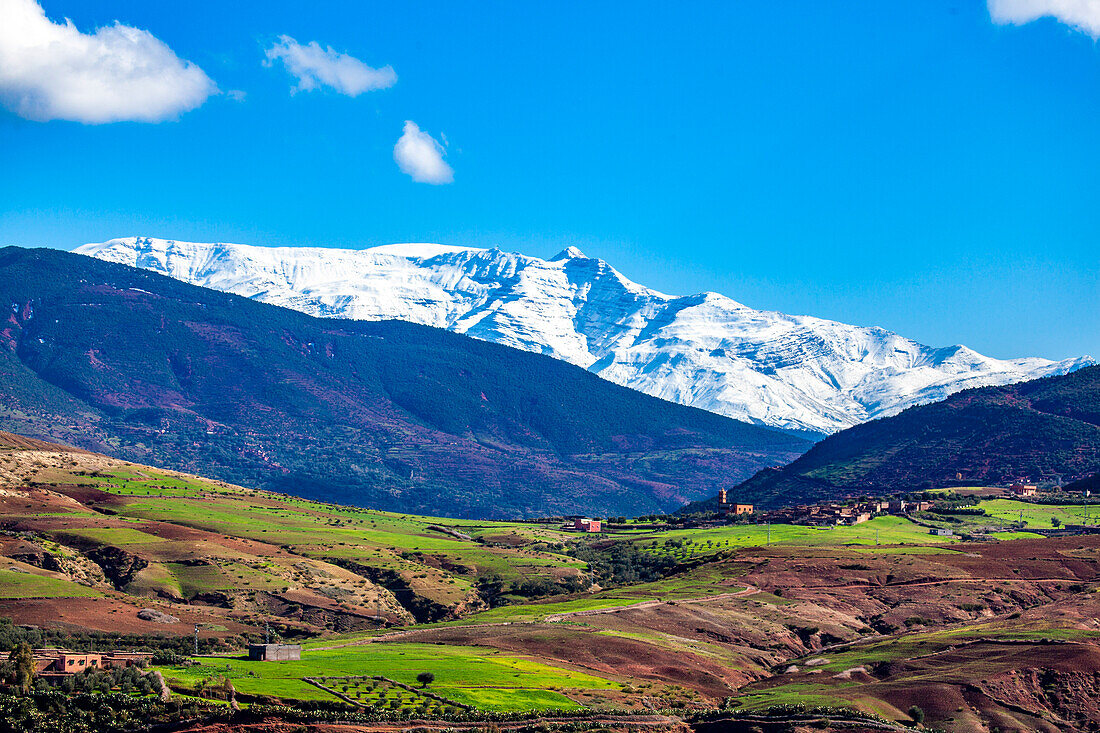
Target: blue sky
point(913, 165)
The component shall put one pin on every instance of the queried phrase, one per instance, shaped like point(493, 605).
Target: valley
point(528, 618)
point(612, 367)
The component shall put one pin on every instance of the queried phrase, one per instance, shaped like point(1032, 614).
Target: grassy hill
point(390, 414)
point(1043, 430)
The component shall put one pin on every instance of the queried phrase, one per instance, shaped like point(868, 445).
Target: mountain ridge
point(705, 350)
point(388, 414)
point(1042, 431)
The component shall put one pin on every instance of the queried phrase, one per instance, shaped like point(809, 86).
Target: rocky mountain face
point(704, 350)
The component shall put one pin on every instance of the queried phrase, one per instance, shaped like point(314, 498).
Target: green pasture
point(194, 579)
point(121, 536)
point(1039, 515)
point(538, 611)
point(330, 531)
point(484, 678)
point(14, 584)
point(686, 544)
point(706, 580)
point(1006, 536)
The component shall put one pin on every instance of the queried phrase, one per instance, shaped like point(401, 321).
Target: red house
point(587, 525)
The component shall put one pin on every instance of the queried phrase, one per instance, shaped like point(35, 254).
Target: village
point(858, 511)
point(829, 514)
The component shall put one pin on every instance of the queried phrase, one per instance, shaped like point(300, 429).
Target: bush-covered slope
point(1043, 430)
point(386, 414)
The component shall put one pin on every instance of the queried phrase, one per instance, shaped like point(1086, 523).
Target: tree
point(916, 714)
point(21, 666)
point(1055, 522)
point(425, 678)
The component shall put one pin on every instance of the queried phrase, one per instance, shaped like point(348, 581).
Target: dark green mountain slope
point(1043, 430)
point(390, 414)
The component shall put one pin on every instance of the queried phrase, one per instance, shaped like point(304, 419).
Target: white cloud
point(421, 157)
point(1084, 15)
point(315, 67)
point(52, 71)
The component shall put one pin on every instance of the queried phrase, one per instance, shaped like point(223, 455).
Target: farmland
point(484, 678)
point(687, 544)
point(25, 585)
point(653, 618)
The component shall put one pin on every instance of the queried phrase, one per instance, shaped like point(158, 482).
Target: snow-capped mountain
point(705, 350)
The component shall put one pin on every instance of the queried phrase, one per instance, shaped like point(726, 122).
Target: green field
point(414, 547)
point(688, 544)
point(1039, 515)
point(25, 585)
point(311, 571)
point(485, 678)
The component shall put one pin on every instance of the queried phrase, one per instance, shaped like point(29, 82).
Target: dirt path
point(802, 720)
point(638, 722)
point(165, 691)
point(943, 581)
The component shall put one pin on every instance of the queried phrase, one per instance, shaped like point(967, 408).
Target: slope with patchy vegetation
point(386, 414)
point(102, 554)
point(1043, 430)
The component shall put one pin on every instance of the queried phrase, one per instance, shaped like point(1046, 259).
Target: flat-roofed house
point(587, 525)
point(274, 652)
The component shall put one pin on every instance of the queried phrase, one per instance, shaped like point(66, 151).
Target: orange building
point(587, 525)
point(726, 507)
point(61, 661)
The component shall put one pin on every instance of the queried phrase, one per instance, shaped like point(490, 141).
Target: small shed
point(274, 652)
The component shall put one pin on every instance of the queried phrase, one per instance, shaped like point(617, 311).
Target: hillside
point(692, 622)
point(705, 350)
point(384, 414)
point(1042, 430)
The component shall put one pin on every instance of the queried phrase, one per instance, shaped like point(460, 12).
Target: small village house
point(274, 652)
point(583, 524)
point(51, 661)
point(1023, 489)
point(735, 508)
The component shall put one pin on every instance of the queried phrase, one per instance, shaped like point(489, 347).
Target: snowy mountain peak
point(705, 350)
point(568, 253)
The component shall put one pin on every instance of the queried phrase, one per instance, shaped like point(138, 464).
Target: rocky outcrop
point(424, 610)
point(152, 614)
point(119, 566)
